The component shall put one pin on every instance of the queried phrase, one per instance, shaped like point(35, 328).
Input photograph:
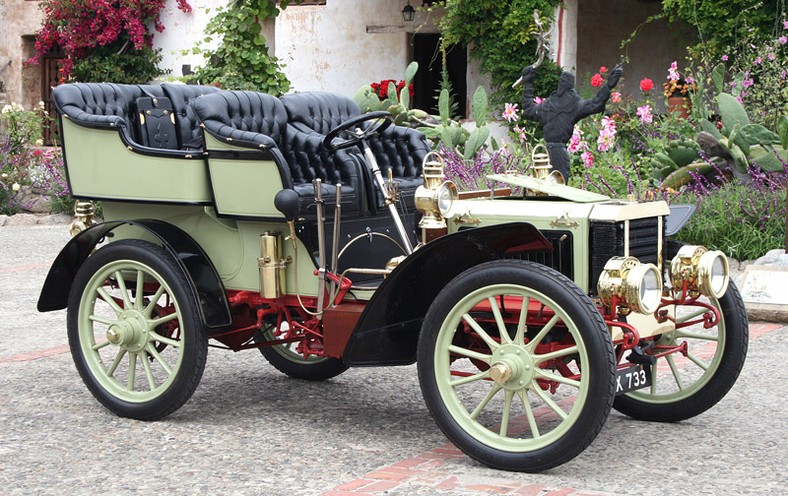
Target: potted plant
point(677, 90)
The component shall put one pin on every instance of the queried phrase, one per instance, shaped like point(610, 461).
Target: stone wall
point(20, 19)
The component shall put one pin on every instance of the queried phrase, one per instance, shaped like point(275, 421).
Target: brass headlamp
point(436, 198)
point(635, 285)
point(702, 270)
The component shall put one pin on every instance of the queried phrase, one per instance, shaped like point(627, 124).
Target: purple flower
point(747, 83)
point(783, 40)
point(724, 58)
point(785, 24)
point(758, 60)
point(771, 56)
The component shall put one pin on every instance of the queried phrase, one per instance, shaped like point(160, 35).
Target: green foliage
point(118, 62)
point(451, 135)
point(721, 24)
point(242, 61)
point(501, 37)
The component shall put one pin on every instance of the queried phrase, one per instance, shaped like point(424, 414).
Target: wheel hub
point(130, 331)
point(512, 367)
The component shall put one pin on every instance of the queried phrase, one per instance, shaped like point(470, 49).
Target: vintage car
point(327, 239)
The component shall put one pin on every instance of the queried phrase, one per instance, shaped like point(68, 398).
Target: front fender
point(190, 257)
point(388, 330)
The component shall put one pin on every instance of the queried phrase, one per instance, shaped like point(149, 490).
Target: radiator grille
point(559, 258)
point(607, 240)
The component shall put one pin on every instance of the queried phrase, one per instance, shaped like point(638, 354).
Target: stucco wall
point(18, 18)
point(183, 30)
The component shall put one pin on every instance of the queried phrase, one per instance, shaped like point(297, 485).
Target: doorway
point(427, 82)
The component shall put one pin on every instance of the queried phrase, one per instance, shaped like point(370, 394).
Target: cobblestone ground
point(250, 430)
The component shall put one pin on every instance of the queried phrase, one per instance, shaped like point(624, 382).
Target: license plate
point(637, 376)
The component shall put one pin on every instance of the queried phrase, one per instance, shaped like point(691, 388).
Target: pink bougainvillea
point(76, 27)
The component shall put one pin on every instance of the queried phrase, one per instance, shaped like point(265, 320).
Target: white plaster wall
point(17, 18)
point(183, 31)
point(330, 47)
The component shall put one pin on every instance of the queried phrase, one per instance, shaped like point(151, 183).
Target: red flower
point(603, 69)
point(596, 80)
point(646, 84)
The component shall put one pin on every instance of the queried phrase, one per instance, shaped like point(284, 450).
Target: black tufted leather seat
point(102, 104)
point(258, 120)
point(399, 148)
point(110, 104)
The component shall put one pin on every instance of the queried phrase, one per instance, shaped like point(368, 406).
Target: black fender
point(194, 263)
point(388, 329)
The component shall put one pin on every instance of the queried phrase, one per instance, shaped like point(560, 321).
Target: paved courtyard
point(250, 430)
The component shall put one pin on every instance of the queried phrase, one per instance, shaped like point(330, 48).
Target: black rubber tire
point(734, 353)
point(193, 333)
point(293, 365)
point(600, 365)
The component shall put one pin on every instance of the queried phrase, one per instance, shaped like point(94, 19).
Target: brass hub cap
point(512, 367)
point(130, 331)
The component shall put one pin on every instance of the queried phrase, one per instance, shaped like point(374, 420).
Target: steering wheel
point(351, 138)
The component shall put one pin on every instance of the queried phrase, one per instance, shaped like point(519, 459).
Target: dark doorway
point(427, 83)
point(50, 77)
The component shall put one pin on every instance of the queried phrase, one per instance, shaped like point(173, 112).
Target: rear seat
point(257, 120)
point(125, 105)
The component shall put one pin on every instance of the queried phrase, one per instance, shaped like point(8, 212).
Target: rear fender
point(388, 330)
point(190, 257)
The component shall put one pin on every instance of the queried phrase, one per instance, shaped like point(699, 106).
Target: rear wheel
point(687, 384)
point(516, 365)
point(134, 330)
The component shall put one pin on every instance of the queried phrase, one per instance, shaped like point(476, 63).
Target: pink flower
point(783, 40)
point(758, 60)
point(673, 72)
point(607, 135)
point(724, 58)
point(603, 69)
point(615, 97)
point(646, 84)
point(596, 80)
point(739, 99)
point(644, 112)
point(538, 100)
point(520, 133)
point(576, 142)
point(588, 159)
point(783, 74)
point(771, 56)
point(785, 24)
point(510, 112)
point(747, 83)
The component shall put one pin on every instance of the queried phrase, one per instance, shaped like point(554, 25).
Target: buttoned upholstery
point(101, 104)
point(398, 148)
point(258, 120)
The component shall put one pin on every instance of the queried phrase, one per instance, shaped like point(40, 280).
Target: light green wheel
point(516, 365)
point(134, 330)
point(687, 384)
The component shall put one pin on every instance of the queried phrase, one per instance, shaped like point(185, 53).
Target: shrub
point(743, 219)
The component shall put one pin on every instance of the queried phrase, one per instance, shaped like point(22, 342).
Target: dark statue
point(559, 112)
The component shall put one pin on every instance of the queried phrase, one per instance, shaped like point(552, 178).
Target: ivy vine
point(242, 61)
point(502, 37)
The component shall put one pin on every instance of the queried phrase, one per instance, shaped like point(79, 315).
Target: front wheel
point(134, 331)
point(687, 384)
point(516, 365)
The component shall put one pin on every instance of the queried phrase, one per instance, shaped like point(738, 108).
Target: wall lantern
point(408, 12)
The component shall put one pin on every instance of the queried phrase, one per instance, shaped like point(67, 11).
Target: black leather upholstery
point(110, 104)
point(181, 96)
point(400, 148)
point(258, 120)
point(317, 111)
point(100, 104)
